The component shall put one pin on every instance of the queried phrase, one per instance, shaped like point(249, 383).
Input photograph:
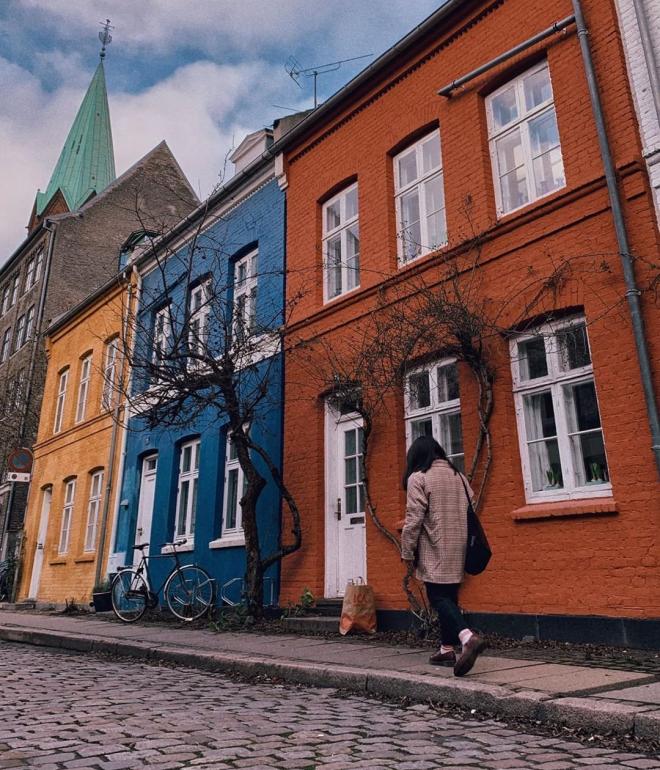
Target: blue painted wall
point(257, 221)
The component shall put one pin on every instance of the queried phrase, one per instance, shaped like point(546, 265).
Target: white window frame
point(29, 324)
point(5, 350)
point(340, 230)
point(93, 508)
point(554, 381)
point(198, 321)
point(30, 272)
point(67, 516)
point(191, 477)
point(232, 464)
point(39, 264)
point(438, 411)
point(110, 360)
point(245, 295)
point(83, 387)
point(6, 293)
point(14, 290)
point(19, 337)
point(162, 334)
point(520, 122)
point(61, 400)
point(419, 183)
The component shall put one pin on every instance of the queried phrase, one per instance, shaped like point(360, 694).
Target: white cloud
point(199, 110)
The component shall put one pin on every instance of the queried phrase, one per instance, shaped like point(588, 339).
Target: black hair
point(423, 451)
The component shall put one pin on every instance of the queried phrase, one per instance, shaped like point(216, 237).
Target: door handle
point(338, 511)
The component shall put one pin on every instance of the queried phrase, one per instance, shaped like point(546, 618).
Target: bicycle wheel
point(129, 593)
point(189, 592)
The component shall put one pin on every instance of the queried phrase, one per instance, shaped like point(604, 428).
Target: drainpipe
point(632, 292)
point(50, 226)
point(113, 442)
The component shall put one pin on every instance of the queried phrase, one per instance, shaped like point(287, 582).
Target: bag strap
point(467, 494)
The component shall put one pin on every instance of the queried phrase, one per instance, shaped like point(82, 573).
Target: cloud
point(200, 110)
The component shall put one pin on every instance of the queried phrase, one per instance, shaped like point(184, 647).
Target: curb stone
point(594, 715)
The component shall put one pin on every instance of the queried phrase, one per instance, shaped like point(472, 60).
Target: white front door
point(47, 495)
point(345, 542)
point(145, 504)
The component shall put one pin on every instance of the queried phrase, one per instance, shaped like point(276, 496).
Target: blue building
point(184, 480)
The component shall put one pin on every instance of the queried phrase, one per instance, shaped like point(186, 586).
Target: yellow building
point(76, 457)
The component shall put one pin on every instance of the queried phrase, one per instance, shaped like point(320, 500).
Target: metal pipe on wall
point(632, 291)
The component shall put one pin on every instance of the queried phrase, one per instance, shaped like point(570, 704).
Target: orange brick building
point(391, 186)
point(72, 502)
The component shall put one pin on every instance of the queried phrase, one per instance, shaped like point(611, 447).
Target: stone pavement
point(597, 699)
point(60, 710)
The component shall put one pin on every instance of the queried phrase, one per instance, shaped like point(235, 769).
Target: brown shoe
point(441, 658)
point(474, 647)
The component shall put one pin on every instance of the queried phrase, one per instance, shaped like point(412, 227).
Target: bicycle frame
point(143, 566)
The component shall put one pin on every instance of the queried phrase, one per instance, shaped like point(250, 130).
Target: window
point(235, 483)
point(83, 387)
point(524, 140)
point(162, 333)
point(561, 438)
point(20, 333)
point(15, 390)
point(67, 515)
point(4, 302)
point(14, 291)
point(110, 373)
point(433, 408)
point(245, 296)
point(61, 398)
point(420, 198)
point(186, 503)
point(198, 325)
point(6, 345)
point(95, 493)
point(341, 243)
point(29, 324)
point(33, 270)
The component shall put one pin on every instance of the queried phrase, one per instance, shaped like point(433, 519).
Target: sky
point(200, 74)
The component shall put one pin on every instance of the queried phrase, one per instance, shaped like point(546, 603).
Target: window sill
point(596, 506)
point(230, 541)
point(90, 559)
point(185, 548)
point(58, 560)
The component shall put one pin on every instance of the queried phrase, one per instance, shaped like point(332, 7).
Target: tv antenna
point(104, 36)
point(295, 69)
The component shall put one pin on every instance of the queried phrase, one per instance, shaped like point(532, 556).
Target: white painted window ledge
point(229, 541)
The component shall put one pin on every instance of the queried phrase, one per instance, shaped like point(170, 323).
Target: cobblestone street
point(65, 710)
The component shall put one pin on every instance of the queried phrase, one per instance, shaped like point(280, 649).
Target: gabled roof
point(86, 164)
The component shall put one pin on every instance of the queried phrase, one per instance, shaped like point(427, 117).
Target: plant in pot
point(101, 597)
point(554, 479)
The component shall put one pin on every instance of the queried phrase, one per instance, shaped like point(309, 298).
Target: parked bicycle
point(188, 589)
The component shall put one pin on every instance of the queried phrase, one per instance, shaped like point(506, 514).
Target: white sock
point(444, 648)
point(465, 635)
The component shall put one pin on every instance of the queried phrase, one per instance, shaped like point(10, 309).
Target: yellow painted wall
point(77, 450)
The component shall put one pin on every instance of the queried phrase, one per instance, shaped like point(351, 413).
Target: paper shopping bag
point(358, 611)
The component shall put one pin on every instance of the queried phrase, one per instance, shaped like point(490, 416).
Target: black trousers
point(443, 597)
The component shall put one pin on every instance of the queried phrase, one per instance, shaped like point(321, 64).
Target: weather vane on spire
point(104, 36)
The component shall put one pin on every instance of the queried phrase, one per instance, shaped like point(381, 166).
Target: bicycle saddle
point(140, 547)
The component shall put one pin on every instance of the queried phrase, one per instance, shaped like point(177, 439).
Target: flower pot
point(102, 601)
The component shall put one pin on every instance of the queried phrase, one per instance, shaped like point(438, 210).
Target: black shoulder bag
point(477, 553)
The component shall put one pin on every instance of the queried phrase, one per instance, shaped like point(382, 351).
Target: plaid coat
point(435, 532)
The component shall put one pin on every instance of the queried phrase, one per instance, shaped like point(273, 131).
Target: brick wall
point(582, 562)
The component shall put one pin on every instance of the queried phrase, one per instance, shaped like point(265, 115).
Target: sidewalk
point(601, 700)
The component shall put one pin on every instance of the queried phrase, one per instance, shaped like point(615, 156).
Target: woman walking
point(433, 543)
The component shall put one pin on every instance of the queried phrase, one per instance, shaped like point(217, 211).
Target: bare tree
point(205, 342)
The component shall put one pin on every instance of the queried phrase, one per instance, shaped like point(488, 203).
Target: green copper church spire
point(86, 164)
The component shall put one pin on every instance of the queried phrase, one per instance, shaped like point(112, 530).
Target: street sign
point(20, 461)
point(18, 477)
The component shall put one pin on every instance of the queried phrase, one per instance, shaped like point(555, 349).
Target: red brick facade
point(584, 557)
